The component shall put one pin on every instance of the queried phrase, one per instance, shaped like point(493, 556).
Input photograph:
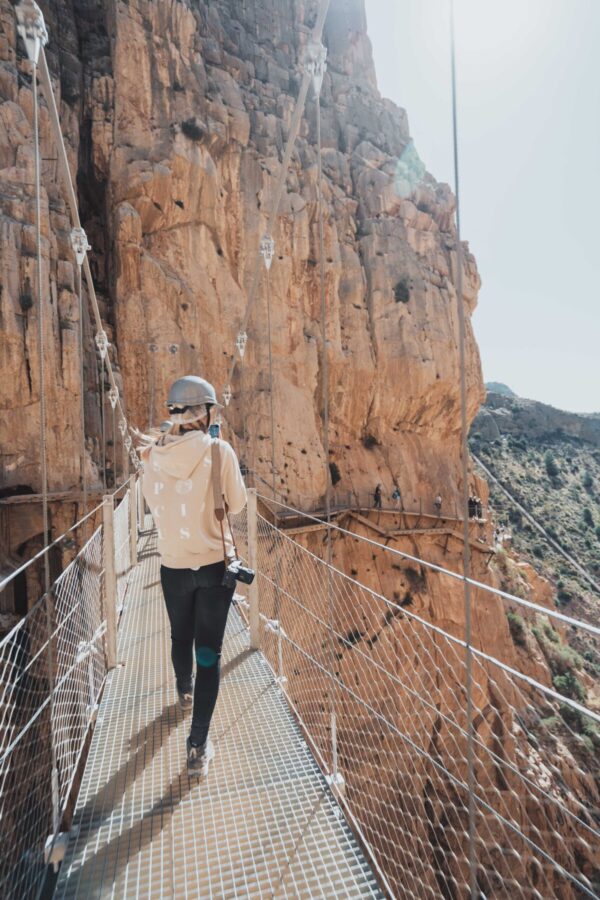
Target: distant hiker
point(377, 497)
point(396, 496)
point(195, 547)
point(438, 503)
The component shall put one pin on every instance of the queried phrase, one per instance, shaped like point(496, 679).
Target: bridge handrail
point(40, 554)
point(368, 677)
point(53, 665)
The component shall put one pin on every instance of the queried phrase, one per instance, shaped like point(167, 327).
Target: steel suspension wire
point(46, 85)
point(465, 481)
point(82, 391)
point(103, 422)
point(41, 319)
point(244, 417)
point(43, 456)
point(325, 401)
point(152, 391)
point(280, 183)
point(268, 292)
point(114, 447)
point(325, 361)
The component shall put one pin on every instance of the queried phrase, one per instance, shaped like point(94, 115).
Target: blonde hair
point(190, 420)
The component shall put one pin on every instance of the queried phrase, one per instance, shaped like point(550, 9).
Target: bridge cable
point(153, 351)
point(114, 447)
point(103, 421)
point(465, 482)
point(41, 320)
point(318, 71)
point(32, 30)
point(268, 292)
point(43, 457)
point(82, 391)
point(243, 410)
point(101, 339)
point(280, 183)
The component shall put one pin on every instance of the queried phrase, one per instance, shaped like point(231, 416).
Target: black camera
point(235, 571)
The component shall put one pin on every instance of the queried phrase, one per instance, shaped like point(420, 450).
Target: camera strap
point(219, 501)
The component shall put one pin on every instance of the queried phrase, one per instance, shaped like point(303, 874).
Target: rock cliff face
point(190, 179)
point(175, 116)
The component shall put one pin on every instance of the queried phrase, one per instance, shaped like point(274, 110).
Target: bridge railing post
point(141, 507)
point(253, 563)
point(133, 519)
point(109, 593)
point(335, 778)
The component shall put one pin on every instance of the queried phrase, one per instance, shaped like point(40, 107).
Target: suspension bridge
point(369, 743)
point(341, 736)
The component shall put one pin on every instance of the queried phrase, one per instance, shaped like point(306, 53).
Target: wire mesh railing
point(381, 694)
point(53, 665)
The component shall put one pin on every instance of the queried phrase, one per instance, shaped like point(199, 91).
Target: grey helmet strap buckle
point(218, 499)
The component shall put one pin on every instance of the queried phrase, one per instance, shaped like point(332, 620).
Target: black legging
point(197, 605)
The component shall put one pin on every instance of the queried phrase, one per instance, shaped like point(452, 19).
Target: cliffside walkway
point(400, 523)
point(264, 824)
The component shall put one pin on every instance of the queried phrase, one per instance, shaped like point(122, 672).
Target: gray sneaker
point(199, 758)
point(186, 698)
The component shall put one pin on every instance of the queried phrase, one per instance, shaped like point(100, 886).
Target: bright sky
point(529, 148)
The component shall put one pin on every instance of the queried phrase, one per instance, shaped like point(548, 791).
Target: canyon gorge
point(175, 116)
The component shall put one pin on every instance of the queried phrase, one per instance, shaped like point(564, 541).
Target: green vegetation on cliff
point(550, 464)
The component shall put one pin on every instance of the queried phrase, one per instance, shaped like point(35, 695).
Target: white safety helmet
point(191, 391)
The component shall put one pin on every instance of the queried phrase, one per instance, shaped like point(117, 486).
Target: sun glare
point(492, 35)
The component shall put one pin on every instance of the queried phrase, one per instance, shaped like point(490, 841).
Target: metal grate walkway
point(264, 823)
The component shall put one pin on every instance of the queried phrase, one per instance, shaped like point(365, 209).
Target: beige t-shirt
point(177, 486)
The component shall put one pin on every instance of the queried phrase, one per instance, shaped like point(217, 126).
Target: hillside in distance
point(549, 461)
point(497, 387)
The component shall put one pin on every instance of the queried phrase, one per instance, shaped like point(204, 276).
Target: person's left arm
point(234, 489)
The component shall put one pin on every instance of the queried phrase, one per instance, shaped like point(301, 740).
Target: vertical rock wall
point(203, 101)
point(79, 59)
point(176, 117)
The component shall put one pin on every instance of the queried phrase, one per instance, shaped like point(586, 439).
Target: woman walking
point(180, 486)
